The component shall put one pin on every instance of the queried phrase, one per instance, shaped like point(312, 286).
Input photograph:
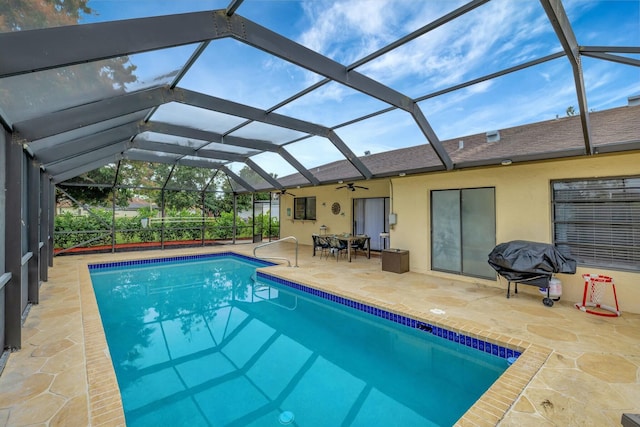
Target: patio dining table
point(350, 239)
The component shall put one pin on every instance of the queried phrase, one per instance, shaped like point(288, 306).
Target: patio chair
point(320, 243)
point(338, 246)
point(359, 244)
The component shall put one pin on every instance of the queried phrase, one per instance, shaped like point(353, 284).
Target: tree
point(93, 190)
point(184, 187)
point(28, 95)
point(223, 201)
point(571, 111)
point(31, 94)
point(20, 15)
point(141, 174)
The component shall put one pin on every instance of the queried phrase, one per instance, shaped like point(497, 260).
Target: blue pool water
point(206, 342)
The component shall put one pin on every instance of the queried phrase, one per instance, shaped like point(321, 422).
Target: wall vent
point(493, 136)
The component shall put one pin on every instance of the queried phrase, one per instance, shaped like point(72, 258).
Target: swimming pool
point(197, 341)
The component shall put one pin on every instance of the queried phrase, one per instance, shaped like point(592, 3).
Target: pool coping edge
point(105, 403)
point(492, 406)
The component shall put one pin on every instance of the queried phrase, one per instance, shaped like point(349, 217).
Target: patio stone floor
point(577, 369)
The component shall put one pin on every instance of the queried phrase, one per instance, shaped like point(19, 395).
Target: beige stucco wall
point(325, 196)
point(523, 211)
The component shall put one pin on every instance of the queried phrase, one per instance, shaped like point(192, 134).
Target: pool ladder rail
point(273, 243)
point(265, 292)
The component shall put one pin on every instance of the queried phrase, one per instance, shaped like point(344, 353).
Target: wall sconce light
point(506, 162)
point(340, 181)
point(402, 174)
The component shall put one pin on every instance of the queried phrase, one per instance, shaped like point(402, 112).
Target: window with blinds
point(597, 221)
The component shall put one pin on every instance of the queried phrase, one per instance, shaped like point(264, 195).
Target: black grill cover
point(529, 262)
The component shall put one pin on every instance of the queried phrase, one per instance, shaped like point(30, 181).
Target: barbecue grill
point(530, 263)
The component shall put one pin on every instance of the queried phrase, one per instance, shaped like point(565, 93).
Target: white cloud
point(520, 98)
point(314, 151)
point(608, 84)
point(485, 40)
point(348, 30)
point(499, 34)
point(482, 87)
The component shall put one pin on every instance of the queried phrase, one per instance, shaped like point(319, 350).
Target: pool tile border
point(486, 412)
point(465, 340)
point(491, 407)
point(459, 338)
point(151, 261)
point(105, 402)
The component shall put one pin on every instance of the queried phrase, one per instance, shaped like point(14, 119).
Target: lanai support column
point(52, 216)
point(45, 232)
point(162, 218)
point(235, 217)
point(5, 276)
point(203, 227)
point(13, 250)
point(33, 231)
point(113, 220)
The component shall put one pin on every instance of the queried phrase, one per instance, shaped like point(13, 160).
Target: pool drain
point(286, 417)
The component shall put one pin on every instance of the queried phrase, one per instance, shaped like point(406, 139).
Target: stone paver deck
point(577, 369)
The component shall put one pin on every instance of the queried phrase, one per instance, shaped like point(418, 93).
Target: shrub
point(71, 230)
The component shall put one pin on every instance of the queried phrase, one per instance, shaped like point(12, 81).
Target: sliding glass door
point(370, 217)
point(463, 231)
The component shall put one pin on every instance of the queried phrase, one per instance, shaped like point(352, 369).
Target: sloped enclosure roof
point(280, 94)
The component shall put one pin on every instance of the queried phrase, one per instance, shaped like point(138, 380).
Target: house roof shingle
point(559, 137)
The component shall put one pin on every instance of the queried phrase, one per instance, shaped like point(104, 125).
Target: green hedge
point(71, 230)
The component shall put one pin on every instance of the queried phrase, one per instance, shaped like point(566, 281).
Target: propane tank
point(555, 289)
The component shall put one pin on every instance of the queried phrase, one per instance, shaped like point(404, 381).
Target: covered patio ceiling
point(205, 88)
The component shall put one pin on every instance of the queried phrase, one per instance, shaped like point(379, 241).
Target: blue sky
point(499, 34)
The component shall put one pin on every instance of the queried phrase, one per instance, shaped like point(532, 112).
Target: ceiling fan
point(351, 187)
point(285, 191)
